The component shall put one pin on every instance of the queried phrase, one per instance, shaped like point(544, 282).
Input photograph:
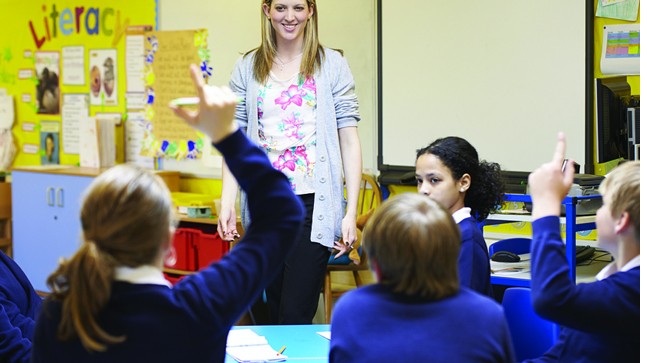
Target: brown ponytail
point(83, 283)
point(126, 216)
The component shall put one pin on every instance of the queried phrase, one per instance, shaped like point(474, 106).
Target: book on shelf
point(97, 142)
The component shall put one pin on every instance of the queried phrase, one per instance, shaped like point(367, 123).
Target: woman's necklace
point(282, 64)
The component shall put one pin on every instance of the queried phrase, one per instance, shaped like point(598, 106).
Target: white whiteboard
point(506, 75)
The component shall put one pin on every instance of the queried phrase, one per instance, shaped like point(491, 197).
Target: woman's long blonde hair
point(313, 53)
point(126, 216)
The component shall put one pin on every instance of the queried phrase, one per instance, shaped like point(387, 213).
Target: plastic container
point(195, 249)
point(183, 200)
point(209, 248)
point(185, 257)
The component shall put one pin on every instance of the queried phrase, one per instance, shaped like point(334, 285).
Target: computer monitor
point(633, 131)
point(613, 97)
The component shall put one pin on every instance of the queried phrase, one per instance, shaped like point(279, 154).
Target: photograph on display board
point(49, 143)
point(103, 77)
point(47, 88)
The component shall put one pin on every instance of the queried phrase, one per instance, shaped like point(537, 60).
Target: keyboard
point(583, 253)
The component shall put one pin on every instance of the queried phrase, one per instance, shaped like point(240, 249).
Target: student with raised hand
point(417, 311)
point(600, 321)
point(449, 171)
point(299, 104)
point(19, 306)
point(110, 301)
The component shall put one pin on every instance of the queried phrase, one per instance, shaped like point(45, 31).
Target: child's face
point(435, 180)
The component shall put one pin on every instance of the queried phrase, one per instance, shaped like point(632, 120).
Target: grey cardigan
point(337, 108)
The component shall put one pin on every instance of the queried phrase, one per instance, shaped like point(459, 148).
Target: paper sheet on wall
point(7, 113)
point(75, 109)
point(135, 63)
point(168, 56)
point(73, 66)
point(104, 75)
point(620, 53)
point(135, 127)
point(623, 10)
point(50, 144)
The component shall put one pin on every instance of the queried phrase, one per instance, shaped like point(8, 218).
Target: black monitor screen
point(612, 101)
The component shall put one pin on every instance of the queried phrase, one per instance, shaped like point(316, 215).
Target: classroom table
point(302, 343)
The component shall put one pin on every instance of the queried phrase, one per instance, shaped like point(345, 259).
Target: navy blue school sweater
point(600, 320)
point(373, 324)
point(190, 322)
point(474, 258)
point(19, 305)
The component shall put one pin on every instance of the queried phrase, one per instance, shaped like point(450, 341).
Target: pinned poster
point(48, 84)
point(168, 55)
point(49, 142)
point(103, 77)
point(618, 9)
point(6, 112)
point(621, 50)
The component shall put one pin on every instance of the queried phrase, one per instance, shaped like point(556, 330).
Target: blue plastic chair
point(519, 245)
point(531, 335)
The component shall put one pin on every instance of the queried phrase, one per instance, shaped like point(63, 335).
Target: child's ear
point(623, 223)
point(465, 182)
point(376, 270)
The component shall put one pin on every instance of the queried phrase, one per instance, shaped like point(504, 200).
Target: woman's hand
point(349, 235)
point(227, 224)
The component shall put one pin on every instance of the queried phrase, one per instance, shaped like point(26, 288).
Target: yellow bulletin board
point(62, 53)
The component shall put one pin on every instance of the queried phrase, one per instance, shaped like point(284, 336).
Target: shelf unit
point(571, 220)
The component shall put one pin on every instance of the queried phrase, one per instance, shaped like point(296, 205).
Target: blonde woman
point(300, 106)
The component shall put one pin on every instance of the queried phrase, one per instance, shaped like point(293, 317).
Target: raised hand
point(549, 184)
point(215, 113)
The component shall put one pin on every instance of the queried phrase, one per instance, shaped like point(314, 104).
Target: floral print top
point(287, 130)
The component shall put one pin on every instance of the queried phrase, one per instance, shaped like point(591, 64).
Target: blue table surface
point(302, 343)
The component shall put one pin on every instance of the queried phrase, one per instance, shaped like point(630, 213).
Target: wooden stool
point(5, 219)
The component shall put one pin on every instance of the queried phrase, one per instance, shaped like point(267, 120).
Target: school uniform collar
point(144, 274)
point(612, 268)
point(462, 214)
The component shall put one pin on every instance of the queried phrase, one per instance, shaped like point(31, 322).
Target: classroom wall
point(234, 28)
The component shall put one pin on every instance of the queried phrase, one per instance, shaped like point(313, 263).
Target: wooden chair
point(370, 197)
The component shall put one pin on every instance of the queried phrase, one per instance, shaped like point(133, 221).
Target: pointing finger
point(560, 149)
point(196, 75)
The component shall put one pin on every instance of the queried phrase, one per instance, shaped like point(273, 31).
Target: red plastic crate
point(184, 249)
point(209, 248)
